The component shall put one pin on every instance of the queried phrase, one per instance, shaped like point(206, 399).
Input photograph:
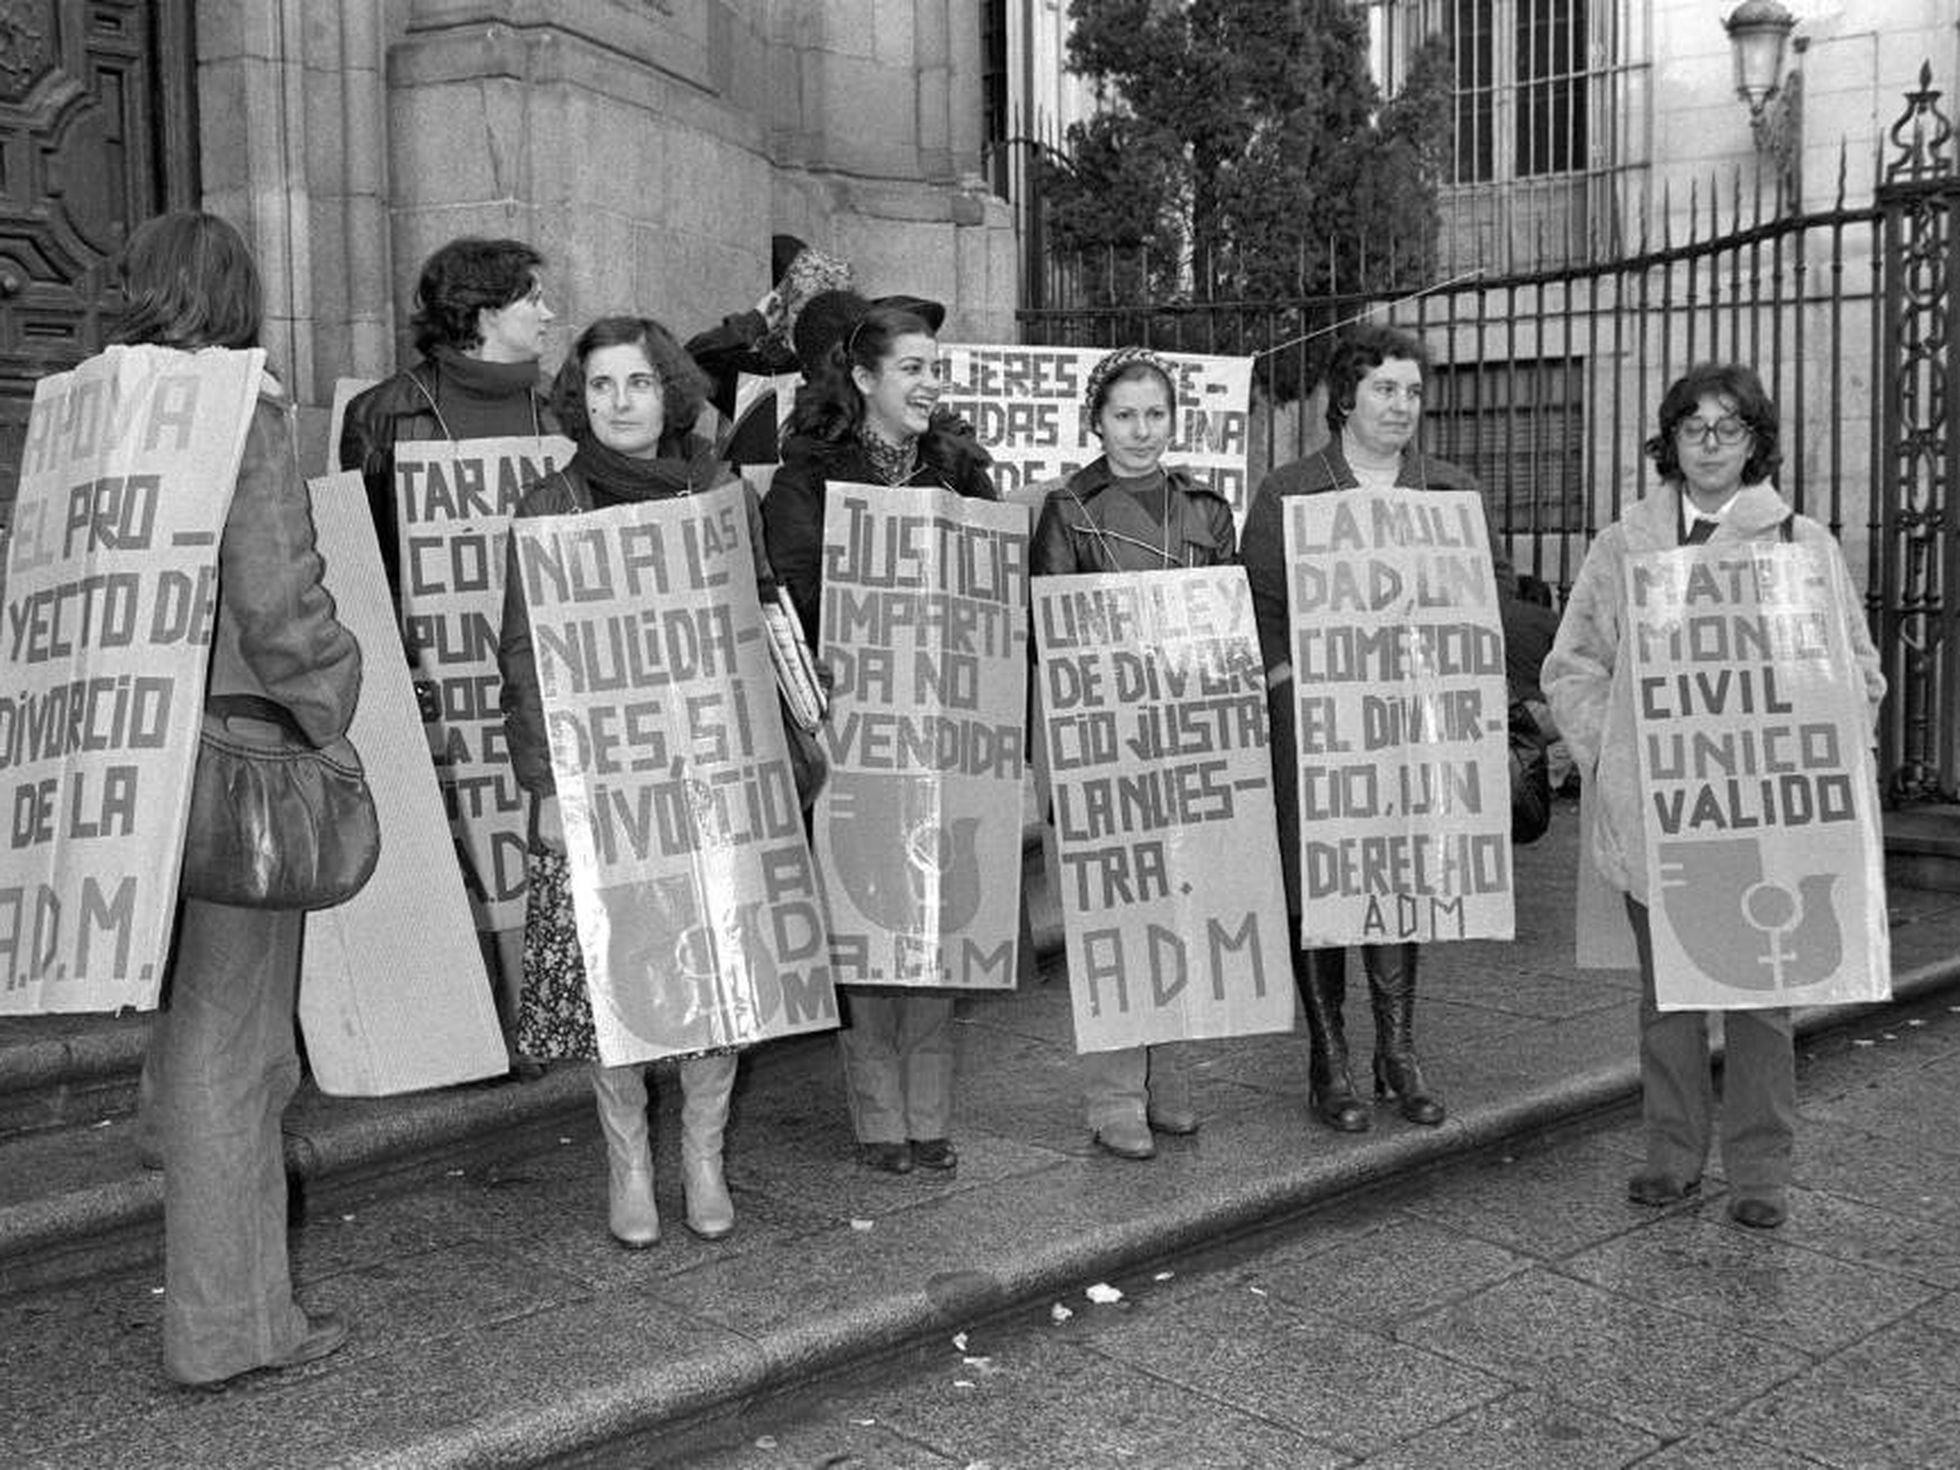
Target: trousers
point(898, 1066)
point(224, 1068)
point(1677, 1091)
point(1122, 1085)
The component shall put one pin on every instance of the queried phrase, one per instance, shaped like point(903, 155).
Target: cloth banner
point(393, 994)
point(698, 912)
point(453, 504)
point(1400, 712)
point(919, 832)
point(127, 474)
point(1154, 740)
point(1764, 861)
point(1025, 405)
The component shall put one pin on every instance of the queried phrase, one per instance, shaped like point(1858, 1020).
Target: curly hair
point(1740, 386)
point(464, 277)
point(190, 282)
point(830, 406)
point(1360, 352)
point(683, 386)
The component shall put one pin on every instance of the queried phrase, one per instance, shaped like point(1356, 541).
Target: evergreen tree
point(1245, 153)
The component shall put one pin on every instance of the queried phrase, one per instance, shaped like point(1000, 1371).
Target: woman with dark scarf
point(866, 418)
point(628, 396)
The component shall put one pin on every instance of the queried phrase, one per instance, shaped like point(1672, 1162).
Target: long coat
point(1590, 685)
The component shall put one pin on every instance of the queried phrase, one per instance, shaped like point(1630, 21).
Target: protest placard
point(1764, 866)
point(1400, 718)
point(1153, 702)
point(698, 911)
point(454, 501)
point(1025, 406)
point(393, 994)
point(918, 831)
point(127, 474)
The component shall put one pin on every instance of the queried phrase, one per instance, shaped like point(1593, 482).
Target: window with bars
point(1519, 427)
point(1522, 70)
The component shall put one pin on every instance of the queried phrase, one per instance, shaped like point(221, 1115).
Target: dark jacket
point(405, 407)
point(561, 493)
point(276, 633)
point(1088, 526)
point(792, 513)
point(1262, 549)
point(741, 344)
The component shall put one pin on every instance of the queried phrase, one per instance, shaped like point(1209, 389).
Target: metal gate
point(1547, 382)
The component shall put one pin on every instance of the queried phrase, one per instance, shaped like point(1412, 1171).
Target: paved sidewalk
point(497, 1324)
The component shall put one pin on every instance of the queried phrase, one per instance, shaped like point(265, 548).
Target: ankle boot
point(1392, 997)
point(1320, 975)
point(622, 1097)
point(706, 1083)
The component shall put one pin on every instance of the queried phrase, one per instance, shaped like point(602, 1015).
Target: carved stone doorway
point(97, 132)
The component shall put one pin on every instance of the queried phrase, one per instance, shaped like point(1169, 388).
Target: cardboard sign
point(453, 502)
point(1764, 865)
point(1154, 734)
point(127, 475)
point(1400, 713)
point(918, 831)
point(1025, 405)
point(393, 995)
point(698, 912)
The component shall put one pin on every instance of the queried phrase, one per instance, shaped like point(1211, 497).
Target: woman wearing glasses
point(1716, 451)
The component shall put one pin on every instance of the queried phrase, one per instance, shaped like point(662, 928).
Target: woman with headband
point(1127, 512)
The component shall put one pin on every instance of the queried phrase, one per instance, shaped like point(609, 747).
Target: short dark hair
point(683, 386)
point(1360, 352)
point(190, 282)
point(1733, 381)
point(462, 278)
point(829, 406)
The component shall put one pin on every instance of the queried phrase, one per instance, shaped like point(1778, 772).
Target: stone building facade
point(649, 148)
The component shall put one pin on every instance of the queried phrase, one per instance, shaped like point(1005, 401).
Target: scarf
point(891, 463)
point(620, 479)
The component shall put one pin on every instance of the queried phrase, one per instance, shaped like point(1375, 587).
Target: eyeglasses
point(1730, 430)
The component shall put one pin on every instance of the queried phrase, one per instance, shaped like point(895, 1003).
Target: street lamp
point(1759, 31)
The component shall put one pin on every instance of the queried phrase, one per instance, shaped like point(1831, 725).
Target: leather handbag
point(275, 823)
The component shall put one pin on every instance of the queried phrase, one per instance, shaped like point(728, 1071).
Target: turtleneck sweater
point(484, 400)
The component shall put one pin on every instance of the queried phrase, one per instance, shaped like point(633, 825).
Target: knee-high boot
point(1392, 996)
point(622, 1098)
point(706, 1084)
point(1321, 978)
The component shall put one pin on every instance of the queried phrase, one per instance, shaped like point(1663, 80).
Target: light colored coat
point(1590, 686)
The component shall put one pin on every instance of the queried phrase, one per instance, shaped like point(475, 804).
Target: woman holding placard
point(866, 417)
point(1717, 449)
point(1127, 512)
point(627, 395)
point(222, 1063)
point(1374, 403)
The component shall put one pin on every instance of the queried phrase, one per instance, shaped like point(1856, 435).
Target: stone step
point(1922, 848)
point(73, 1191)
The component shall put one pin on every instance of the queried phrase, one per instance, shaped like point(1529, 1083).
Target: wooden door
point(97, 133)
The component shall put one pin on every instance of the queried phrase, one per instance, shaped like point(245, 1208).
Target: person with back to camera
point(867, 418)
point(1374, 403)
point(480, 324)
point(628, 395)
point(222, 1062)
point(1126, 511)
point(1717, 450)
